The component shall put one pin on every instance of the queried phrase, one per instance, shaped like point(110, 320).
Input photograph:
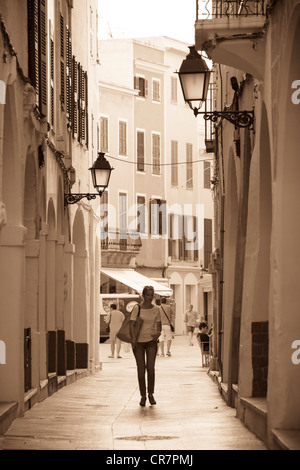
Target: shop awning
point(206, 283)
point(137, 281)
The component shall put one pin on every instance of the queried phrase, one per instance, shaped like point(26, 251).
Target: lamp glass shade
point(101, 171)
point(194, 78)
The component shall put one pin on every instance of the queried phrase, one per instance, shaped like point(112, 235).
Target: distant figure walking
point(144, 342)
point(191, 318)
point(167, 319)
point(114, 320)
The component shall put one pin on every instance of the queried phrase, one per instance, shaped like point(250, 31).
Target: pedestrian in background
point(167, 319)
point(144, 345)
point(114, 320)
point(192, 319)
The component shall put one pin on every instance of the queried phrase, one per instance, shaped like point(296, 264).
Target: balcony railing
point(118, 240)
point(209, 9)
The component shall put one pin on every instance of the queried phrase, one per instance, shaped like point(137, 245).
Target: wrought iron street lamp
point(100, 171)
point(194, 76)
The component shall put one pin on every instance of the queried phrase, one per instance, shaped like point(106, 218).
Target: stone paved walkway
point(102, 412)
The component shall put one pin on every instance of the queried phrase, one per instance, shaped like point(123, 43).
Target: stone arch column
point(80, 292)
point(12, 251)
point(230, 244)
point(31, 317)
point(284, 376)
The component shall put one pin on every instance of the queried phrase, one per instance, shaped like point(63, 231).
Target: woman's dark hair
point(146, 289)
point(113, 306)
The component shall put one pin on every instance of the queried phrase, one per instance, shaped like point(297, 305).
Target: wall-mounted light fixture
point(194, 76)
point(100, 171)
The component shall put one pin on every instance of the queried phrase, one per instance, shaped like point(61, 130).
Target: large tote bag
point(124, 332)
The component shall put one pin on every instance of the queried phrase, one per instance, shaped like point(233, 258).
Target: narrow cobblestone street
point(102, 412)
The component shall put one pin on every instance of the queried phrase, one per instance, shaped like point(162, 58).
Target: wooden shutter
point(68, 75)
point(207, 241)
point(122, 138)
point(103, 134)
point(206, 176)
point(74, 98)
point(52, 80)
point(195, 230)
point(86, 111)
point(141, 209)
point(62, 63)
point(189, 166)
point(162, 218)
point(43, 57)
point(156, 153)
point(140, 151)
point(174, 161)
point(33, 45)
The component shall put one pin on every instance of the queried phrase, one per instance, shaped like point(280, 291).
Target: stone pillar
point(12, 269)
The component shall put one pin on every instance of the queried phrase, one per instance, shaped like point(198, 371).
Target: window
point(156, 90)
point(207, 241)
point(68, 75)
point(140, 151)
point(141, 214)
point(122, 138)
point(173, 89)
point(158, 217)
point(141, 84)
point(189, 166)
point(183, 237)
point(37, 51)
point(156, 154)
point(104, 220)
point(206, 175)
point(103, 134)
point(174, 162)
point(52, 80)
point(123, 220)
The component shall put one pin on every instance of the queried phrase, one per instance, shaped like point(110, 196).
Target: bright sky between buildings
point(140, 18)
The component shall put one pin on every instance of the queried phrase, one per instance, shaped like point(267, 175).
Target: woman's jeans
point(145, 356)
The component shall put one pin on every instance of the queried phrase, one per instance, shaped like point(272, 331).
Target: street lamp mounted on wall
point(100, 171)
point(194, 76)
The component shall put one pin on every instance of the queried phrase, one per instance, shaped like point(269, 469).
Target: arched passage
point(80, 283)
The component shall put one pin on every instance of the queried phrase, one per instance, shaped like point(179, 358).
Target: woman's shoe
point(151, 399)
point(143, 401)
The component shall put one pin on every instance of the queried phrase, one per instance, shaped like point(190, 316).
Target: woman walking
point(144, 343)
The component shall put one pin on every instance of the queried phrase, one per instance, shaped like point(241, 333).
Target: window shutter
point(52, 80)
point(140, 151)
point(69, 74)
point(86, 114)
point(62, 63)
point(153, 217)
point(195, 229)
point(75, 98)
point(206, 177)
point(174, 161)
point(189, 166)
point(162, 217)
point(207, 241)
point(146, 89)
point(33, 46)
point(43, 58)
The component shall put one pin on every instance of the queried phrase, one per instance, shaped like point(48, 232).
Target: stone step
point(8, 413)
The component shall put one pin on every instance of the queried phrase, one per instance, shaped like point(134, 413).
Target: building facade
point(49, 251)
point(254, 266)
point(160, 194)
